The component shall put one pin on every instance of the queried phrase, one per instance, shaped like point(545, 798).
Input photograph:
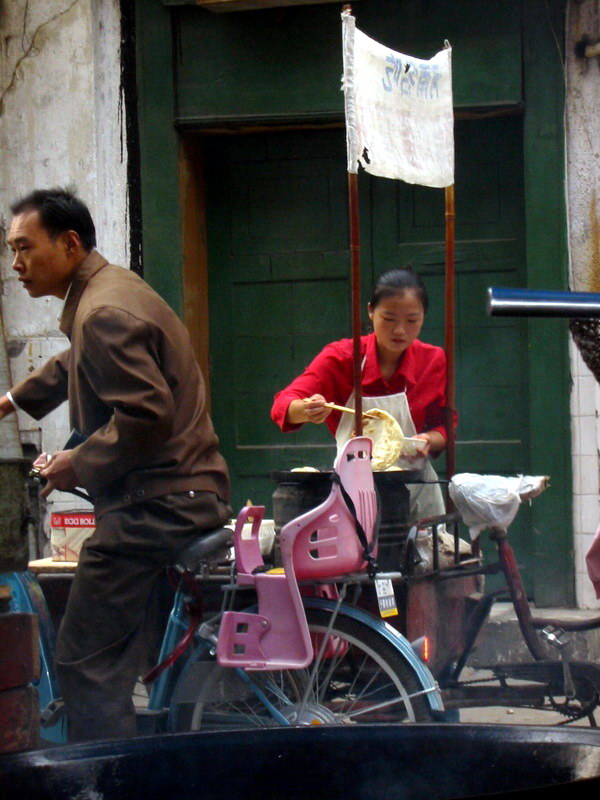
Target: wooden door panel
point(279, 291)
point(491, 358)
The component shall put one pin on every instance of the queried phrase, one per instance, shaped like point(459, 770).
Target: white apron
point(426, 500)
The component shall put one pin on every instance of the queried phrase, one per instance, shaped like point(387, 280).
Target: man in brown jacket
point(150, 461)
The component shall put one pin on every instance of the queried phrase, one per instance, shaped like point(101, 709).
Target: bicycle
point(552, 680)
point(299, 655)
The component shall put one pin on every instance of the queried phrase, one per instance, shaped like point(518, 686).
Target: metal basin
point(419, 762)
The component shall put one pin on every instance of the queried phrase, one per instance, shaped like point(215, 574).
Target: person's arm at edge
point(6, 406)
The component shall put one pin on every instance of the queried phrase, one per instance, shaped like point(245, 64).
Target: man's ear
point(72, 242)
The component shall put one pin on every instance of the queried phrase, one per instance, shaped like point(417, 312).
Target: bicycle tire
point(362, 678)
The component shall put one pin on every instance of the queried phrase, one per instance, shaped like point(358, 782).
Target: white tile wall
point(585, 429)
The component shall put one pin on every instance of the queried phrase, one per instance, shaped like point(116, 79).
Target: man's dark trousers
point(100, 647)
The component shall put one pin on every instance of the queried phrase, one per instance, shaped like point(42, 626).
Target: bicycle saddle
point(211, 547)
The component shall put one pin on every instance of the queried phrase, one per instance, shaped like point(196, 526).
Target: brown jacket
point(134, 388)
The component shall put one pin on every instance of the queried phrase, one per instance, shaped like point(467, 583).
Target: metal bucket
point(419, 762)
point(298, 492)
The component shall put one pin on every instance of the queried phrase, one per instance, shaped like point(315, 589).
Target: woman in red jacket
point(400, 374)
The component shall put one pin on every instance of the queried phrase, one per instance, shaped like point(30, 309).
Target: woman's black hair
point(60, 210)
point(398, 281)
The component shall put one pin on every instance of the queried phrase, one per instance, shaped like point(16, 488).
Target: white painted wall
point(61, 123)
point(582, 124)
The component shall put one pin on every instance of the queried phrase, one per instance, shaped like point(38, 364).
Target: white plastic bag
point(487, 501)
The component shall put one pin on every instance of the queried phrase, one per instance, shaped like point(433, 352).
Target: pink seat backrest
point(247, 550)
point(323, 542)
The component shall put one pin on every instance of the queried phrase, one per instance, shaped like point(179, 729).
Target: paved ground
point(519, 716)
point(514, 716)
point(502, 642)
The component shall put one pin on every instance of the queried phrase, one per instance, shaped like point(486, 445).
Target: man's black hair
point(60, 210)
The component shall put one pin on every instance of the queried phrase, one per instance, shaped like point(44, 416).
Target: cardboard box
point(68, 531)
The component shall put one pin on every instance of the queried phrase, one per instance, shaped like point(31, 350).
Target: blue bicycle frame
point(164, 686)
point(27, 596)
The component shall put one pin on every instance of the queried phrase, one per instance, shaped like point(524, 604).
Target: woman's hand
point(422, 453)
point(435, 444)
point(308, 409)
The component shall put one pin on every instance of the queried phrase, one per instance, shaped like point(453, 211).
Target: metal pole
point(449, 324)
point(542, 303)
point(356, 316)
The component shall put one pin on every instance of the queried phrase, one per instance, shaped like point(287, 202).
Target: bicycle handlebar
point(535, 303)
point(34, 475)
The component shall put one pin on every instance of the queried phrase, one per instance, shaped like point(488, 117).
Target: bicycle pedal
point(555, 637)
point(53, 713)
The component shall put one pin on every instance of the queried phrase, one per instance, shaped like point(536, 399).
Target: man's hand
point(57, 470)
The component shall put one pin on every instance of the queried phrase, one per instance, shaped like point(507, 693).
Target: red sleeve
point(432, 388)
point(329, 374)
point(435, 412)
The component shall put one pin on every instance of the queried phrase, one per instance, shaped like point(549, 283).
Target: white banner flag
point(399, 120)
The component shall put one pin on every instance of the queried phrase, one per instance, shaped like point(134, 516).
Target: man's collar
point(64, 302)
point(88, 267)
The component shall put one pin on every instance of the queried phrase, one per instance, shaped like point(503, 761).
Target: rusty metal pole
point(356, 316)
point(449, 325)
point(355, 287)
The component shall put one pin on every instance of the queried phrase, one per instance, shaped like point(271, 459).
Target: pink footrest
point(239, 640)
point(275, 638)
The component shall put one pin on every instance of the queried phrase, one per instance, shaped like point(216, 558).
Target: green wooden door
point(491, 354)
point(279, 288)
point(278, 285)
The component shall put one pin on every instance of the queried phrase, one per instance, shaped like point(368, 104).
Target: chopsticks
point(340, 408)
point(348, 410)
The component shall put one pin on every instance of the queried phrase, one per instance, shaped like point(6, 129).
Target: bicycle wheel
point(357, 676)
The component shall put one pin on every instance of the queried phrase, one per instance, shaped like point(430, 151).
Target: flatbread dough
point(387, 437)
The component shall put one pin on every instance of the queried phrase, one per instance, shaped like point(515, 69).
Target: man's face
point(44, 265)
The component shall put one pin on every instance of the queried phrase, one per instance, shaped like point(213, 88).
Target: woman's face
point(397, 321)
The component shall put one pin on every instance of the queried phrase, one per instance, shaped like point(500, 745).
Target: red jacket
point(421, 373)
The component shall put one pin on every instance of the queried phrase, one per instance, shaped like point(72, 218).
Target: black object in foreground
point(419, 762)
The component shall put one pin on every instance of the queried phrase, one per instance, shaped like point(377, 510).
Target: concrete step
point(501, 640)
